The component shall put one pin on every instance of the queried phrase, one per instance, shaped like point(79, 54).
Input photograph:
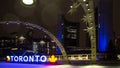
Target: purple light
point(18, 65)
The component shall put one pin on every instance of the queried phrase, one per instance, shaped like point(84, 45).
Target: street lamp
point(28, 2)
point(22, 38)
point(42, 46)
point(42, 42)
point(84, 0)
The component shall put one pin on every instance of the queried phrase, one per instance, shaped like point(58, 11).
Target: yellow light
point(28, 2)
point(8, 59)
point(84, 0)
point(52, 59)
point(71, 6)
point(88, 9)
point(87, 4)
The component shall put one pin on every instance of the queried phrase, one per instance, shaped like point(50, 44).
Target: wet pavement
point(20, 65)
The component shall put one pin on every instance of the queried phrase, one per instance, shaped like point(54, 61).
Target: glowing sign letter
point(16, 58)
point(25, 58)
point(43, 58)
point(20, 59)
point(37, 56)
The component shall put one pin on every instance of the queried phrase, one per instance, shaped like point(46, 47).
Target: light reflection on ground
point(18, 65)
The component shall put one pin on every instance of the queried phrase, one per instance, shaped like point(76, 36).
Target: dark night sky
point(116, 16)
point(46, 13)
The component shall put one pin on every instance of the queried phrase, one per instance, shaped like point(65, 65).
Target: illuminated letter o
point(25, 58)
point(43, 58)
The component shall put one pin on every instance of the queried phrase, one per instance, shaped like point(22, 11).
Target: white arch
point(45, 31)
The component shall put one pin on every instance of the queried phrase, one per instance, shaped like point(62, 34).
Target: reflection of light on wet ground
point(93, 66)
point(61, 66)
point(18, 65)
point(71, 66)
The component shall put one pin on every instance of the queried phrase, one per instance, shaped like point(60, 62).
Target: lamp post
point(35, 47)
point(42, 43)
point(22, 38)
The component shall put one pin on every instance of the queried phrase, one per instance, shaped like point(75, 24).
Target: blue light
point(105, 34)
point(59, 33)
point(102, 36)
point(105, 20)
point(102, 43)
point(58, 50)
point(33, 58)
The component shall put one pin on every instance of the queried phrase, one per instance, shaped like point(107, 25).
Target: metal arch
point(93, 32)
point(45, 31)
point(88, 7)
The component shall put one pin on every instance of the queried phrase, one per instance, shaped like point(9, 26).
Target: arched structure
point(43, 30)
point(89, 19)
